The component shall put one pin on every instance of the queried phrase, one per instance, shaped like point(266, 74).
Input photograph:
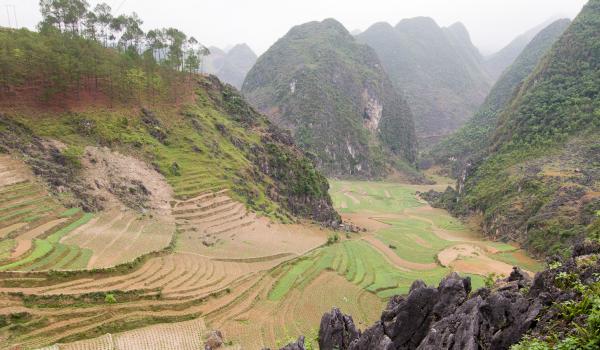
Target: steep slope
point(539, 183)
point(438, 69)
point(231, 66)
point(496, 63)
point(474, 136)
point(334, 96)
point(201, 136)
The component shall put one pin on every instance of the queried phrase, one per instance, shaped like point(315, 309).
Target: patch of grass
point(69, 212)
point(41, 248)
point(81, 261)
point(414, 240)
point(56, 236)
point(289, 278)
point(59, 251)
point(517, 258)
point(6, 247)
point(371, 197)
point(385, 279)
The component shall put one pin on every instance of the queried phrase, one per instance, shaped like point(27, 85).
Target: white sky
point(259, 23)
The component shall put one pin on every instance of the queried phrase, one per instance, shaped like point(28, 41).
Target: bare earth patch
point(13, 171)
point(216, 226)
point(468, 258)
point(118, 179)
point(364, 220)
point(117, 236)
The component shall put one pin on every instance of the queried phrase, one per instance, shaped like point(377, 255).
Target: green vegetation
point(110, 298)
point(70, 212)
point(403, 235)
point(579, 319)
point(474, 137)
point(49, 254)
point(540, 179)
point(357, 128)
point(372, 197)
point(368, 268)
point(70, 57)
point(41, 248)
point(361, 265)
point(6, 246)
point(56, 236)
point(438, 69)
point(200, 134)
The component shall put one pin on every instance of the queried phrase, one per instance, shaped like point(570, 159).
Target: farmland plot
point(215, 225)
point(31, 223)
point(119, 236)
point(259, 282)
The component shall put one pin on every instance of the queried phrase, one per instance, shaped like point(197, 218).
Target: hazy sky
point(491, 23)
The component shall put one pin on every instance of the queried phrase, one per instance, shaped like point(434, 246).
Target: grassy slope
point(540, 182)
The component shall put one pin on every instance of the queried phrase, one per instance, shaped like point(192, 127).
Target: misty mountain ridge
point(438, 69)
point(335, 97)
point(231, 66)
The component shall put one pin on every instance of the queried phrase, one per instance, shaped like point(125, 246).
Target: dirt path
point(5, 231)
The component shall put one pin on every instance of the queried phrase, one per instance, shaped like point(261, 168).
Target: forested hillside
point(231, 66)
point(539, 183)
point(473, 138)
point(438, 69)
point(335, 97)
point(94, 79)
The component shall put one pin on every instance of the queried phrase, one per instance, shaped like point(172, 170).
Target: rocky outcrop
point(214, 340)
point(336, 330)
point(451, 317)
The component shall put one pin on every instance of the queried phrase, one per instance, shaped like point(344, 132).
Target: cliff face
point(334, 96)
point(438, 69)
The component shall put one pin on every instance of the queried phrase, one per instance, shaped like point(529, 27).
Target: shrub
point(110, 298)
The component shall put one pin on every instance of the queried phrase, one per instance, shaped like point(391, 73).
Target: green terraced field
point(416, 233)
point(413, 240)
point(371, 197)
point(360, 264)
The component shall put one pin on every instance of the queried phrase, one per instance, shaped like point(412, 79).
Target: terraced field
point(32, 224)
point(259, 282)
point(119, 236)
point(419, 234)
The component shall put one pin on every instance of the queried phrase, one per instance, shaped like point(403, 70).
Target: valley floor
point(258, 282)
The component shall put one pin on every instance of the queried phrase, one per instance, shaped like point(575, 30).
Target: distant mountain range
point(334, 95)
point(497, 62)
point(438, 69)
point(230, 66)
